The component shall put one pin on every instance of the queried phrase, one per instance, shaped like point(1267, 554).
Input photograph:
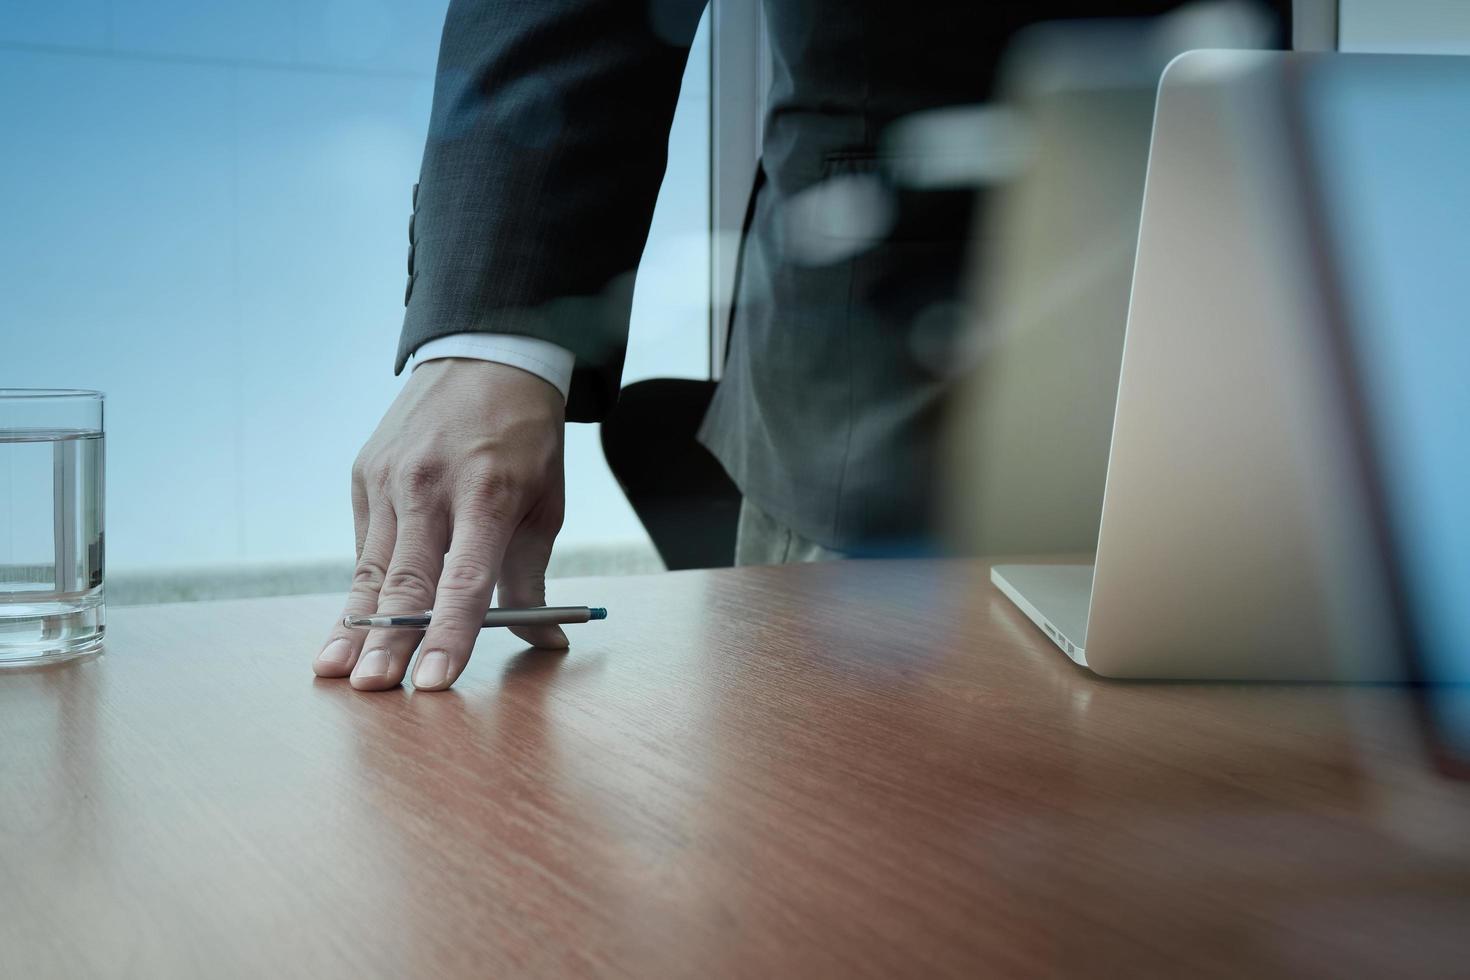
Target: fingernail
point(374, 663)
point(335, 652)
point(432, 669)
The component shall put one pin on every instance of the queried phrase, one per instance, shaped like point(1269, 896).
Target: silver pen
point(536, 616)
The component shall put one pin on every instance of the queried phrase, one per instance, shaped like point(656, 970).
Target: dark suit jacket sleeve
point(546, 148)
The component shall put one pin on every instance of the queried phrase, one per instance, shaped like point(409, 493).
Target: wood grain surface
point(855, 769)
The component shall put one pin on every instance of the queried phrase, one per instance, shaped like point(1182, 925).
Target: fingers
point(408, 586)
point(339, 654)
point(468, 580)
point(523, 583)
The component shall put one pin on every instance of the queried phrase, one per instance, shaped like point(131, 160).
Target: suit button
point(408, 292)
point(410, 259)
point(410, 228)
point(415, 195)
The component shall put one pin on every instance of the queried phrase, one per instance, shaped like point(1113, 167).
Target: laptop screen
point(1393, 155)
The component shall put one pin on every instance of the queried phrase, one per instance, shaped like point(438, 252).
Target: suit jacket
point(545, 153)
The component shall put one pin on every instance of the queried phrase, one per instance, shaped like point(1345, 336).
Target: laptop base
point(1054, 597)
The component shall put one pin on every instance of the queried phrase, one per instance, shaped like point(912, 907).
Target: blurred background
point(208, 205)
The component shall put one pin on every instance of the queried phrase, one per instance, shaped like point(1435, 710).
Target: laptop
point(1241, 536)
point(1051, 270)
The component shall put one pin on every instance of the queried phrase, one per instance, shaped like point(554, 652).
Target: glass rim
point(56, 394)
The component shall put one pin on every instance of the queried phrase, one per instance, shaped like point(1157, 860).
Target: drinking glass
point(52, 451)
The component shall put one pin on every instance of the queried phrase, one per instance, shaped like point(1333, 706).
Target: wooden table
point(862, 769)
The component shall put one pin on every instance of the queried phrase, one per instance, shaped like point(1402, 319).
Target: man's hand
point(460, 488)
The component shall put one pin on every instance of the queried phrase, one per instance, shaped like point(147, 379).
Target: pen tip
point(598, 613)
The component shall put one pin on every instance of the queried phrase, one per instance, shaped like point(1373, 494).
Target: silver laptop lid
point(1051, 273)
point(1233, 541)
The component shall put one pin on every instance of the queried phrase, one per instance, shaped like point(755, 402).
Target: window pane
point(670, 336)
point(208, 205)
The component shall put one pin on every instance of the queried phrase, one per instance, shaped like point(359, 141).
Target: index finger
point(471, 569)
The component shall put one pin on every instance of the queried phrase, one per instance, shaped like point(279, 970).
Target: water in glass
point(51, 543)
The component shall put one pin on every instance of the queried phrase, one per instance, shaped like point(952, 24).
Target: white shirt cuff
point(540, 357)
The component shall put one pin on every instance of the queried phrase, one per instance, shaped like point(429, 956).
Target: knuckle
point(489, 482)
point(377, 478)
point(464, 578)
point(408, 580)
point(368, 577)
point(420, 475)
point(493, 513)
